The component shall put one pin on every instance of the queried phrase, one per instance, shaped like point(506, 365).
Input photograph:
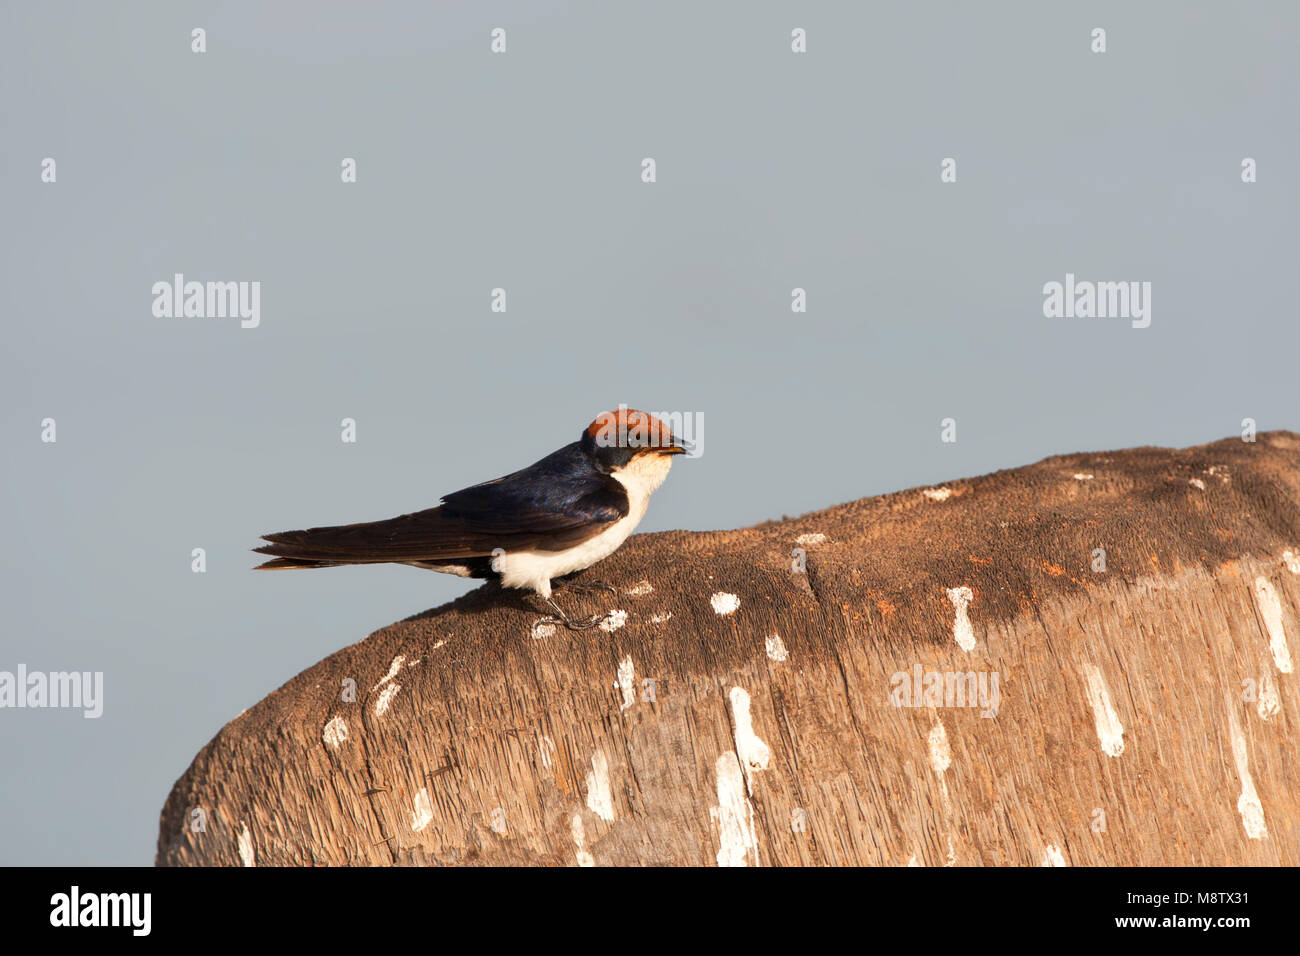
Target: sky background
point(522, 170)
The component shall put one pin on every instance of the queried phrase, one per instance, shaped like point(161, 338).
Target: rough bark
point(1146, 710)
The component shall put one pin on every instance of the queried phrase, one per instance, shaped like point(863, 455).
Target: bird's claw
point(559, 617)
point(573, 625)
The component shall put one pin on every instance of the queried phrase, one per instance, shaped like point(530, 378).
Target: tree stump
point(1086, 661)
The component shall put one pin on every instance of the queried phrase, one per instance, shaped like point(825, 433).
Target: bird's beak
point(674, 446)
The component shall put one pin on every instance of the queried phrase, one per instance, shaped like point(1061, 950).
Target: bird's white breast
point(535, 569)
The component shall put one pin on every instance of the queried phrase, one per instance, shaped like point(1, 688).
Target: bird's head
point(628, 440)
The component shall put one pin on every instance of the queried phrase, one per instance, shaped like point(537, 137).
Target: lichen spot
point(386, 698)
point(336, 733)
point(724, 603)
point(613, 621)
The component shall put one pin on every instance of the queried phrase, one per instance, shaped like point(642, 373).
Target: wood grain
point(1145, 713)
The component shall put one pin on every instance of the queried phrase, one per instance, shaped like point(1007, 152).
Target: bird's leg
point(562, 618)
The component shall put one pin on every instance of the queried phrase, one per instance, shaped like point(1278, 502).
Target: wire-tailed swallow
point(559, 515)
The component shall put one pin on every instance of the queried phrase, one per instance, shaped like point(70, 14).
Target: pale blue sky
point(522, 171)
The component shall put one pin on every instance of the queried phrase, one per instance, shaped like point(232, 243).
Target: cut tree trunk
point(1086, 661)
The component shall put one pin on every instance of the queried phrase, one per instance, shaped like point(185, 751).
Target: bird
point(559, 515)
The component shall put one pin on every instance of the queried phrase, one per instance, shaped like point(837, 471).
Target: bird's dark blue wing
point(551, 505)
point(551, 496)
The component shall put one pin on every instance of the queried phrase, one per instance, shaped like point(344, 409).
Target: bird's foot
point(559, 617)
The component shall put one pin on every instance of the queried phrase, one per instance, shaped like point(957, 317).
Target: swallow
point(559, 515)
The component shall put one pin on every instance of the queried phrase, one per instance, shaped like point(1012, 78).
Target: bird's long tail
point(285, 564)
point(422, 535)
point(313, 548)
